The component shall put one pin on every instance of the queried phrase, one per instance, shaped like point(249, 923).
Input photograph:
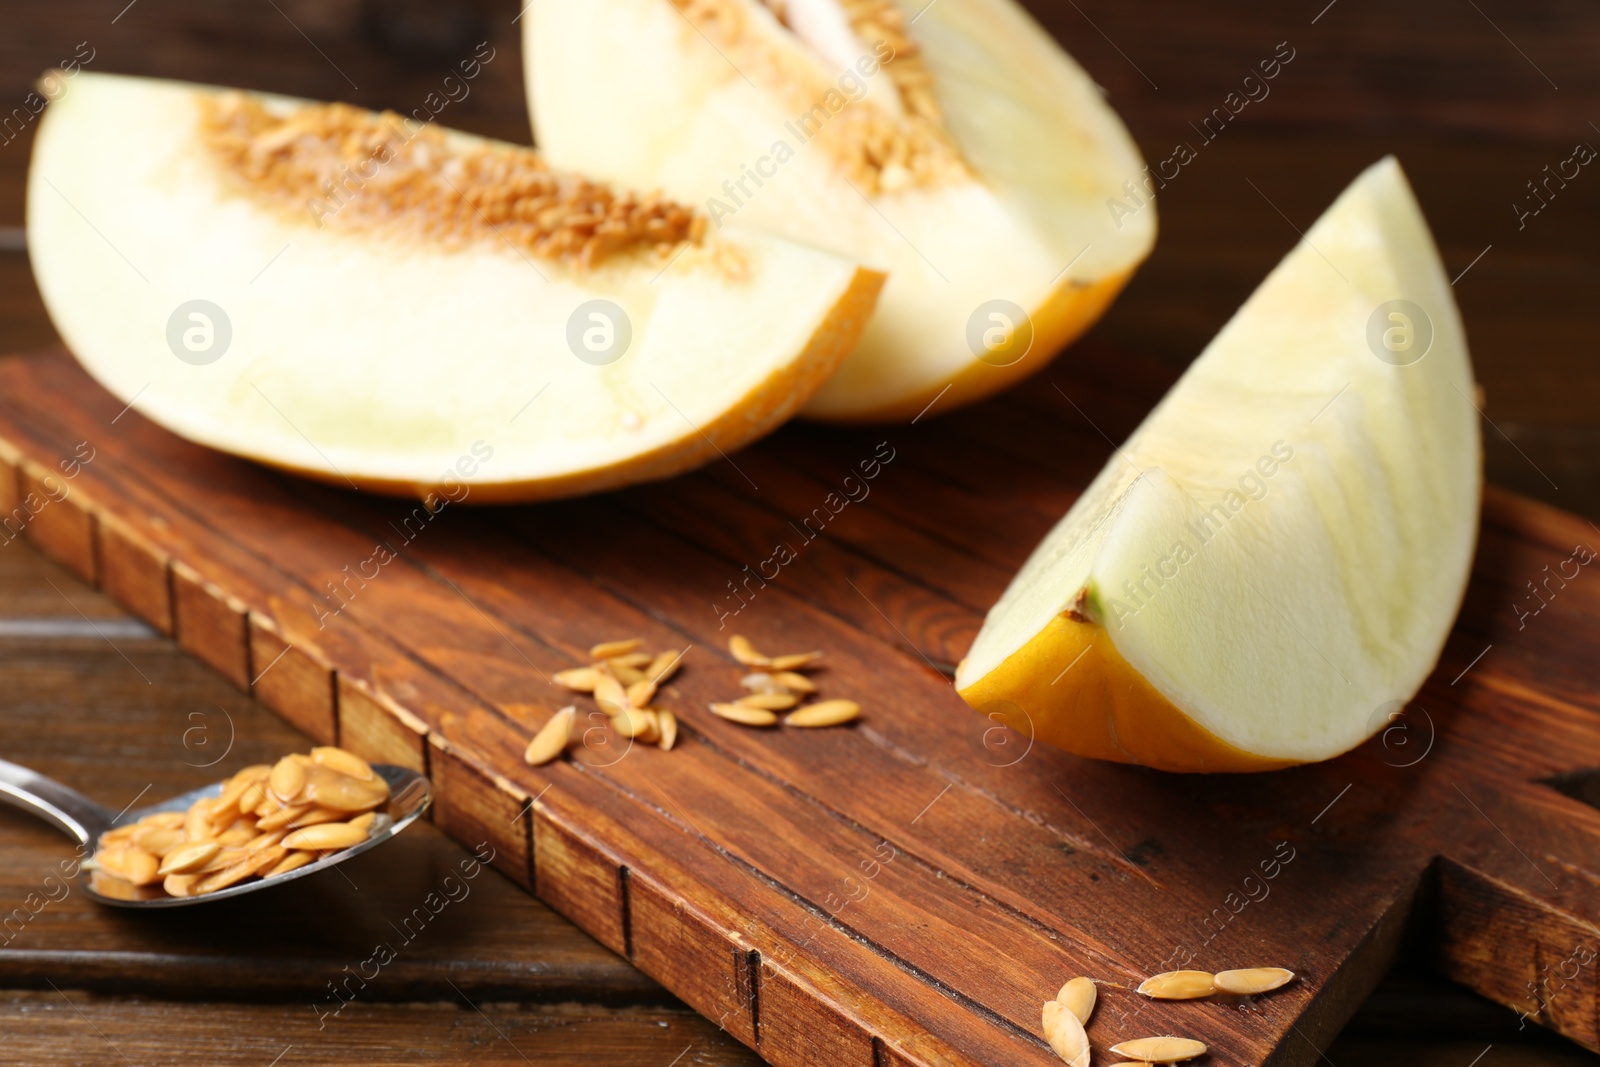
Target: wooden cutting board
point(908, 890)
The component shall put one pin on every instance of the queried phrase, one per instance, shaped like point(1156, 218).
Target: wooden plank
point(733, 867)
point(78, 711)
point(71, 1027)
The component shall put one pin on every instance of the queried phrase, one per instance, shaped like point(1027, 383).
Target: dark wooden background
point(1475, 96)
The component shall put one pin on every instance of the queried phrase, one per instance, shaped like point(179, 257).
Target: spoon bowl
point(84, 820)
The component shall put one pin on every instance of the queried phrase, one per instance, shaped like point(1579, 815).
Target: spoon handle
point(66, 809)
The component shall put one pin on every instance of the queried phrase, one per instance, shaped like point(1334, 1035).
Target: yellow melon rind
point(1069, 687)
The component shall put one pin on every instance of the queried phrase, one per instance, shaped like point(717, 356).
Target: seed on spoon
point(189, 858)
point(287, 779)
point(346, 763)
point(324, 836)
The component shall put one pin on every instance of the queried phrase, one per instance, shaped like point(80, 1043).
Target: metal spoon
point(83, 820)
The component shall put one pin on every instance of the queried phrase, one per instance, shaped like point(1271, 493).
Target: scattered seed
point(1078, 997)
point(1178, 985)
point(346, 763)
point(793, 662)
point(1066, 1035)
point(610, 695)
point(664, 666)
point(640, 693)
point(669, 729)
point(1252, 980)
point(824, 713)
point(747, 716)
point(579, 679)
point(611, 649)
point(775, 701)
point(1160, 1049)
point(631, 722)
point(552, 738)
point(651, 734)
point(745, 652)
point(627, 675)
point(794, 682)
point(327, 835)
point(189, 858)
point(635, 660)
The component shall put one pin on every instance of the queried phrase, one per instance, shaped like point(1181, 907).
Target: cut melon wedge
point(405, 309)
point(1275, 557)
point(953, 145)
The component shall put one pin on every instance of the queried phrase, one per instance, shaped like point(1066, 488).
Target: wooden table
point(1465, 92)
point(94, 698)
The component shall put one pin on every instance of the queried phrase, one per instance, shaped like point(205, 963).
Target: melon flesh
point(386, 358)
point(1279, 551)
point(755, 115)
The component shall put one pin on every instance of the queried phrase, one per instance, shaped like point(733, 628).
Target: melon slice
point(953, 145)
point(380, 303)
point(1277, 554)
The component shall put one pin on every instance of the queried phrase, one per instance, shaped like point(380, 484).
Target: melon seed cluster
point(1066, 1016)
point(623, 681)
point(778, 686)
point(268, 820)
point(419, 176)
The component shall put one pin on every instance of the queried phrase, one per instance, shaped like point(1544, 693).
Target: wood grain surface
point(908, 889)
point(61, 649)
point(1475, 98)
